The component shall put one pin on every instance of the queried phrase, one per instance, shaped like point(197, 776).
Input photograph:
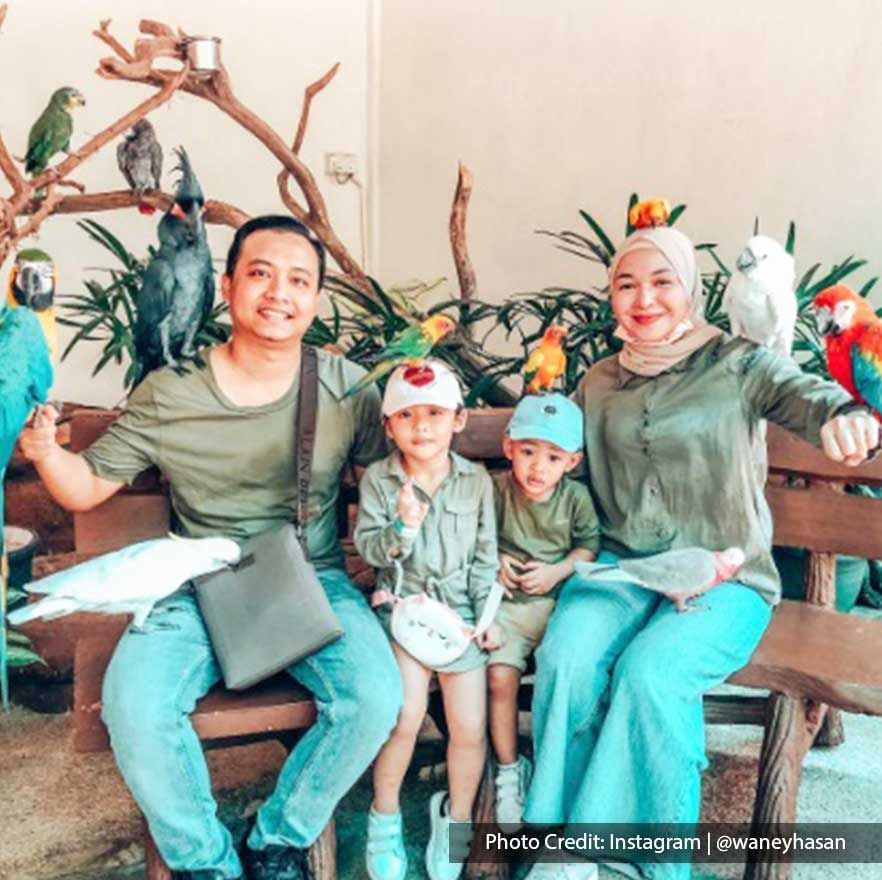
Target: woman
point(669, 428)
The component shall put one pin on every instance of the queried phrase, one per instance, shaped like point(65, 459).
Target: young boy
point(428, 513)
point(545, 523)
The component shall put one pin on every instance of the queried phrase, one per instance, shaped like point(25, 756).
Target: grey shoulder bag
point(270, 610)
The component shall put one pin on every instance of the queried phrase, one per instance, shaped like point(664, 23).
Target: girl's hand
point(850, 438)
point(492, 638)
point(508, 578)
point(411, 511)
point(539, 578)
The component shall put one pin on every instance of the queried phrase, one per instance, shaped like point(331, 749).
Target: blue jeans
point(618, 725)
point(158, 673)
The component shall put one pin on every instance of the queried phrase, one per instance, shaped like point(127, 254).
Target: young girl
point(426, 517)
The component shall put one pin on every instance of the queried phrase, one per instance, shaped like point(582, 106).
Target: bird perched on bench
point(760, 299)
point(139, 158)
point(546, 362)
point(177, 293)
point(128, 581)
point(32, 283)
point(25, 380)
point(52, 131)
point(853, 341)
point(408, 347)
point(678, 574)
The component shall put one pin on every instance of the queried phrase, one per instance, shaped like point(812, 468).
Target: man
point(223, 434)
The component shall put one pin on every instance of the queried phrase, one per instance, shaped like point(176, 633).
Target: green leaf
point(865, 290)
point(604, 238)
point(18, 656)
point(675, 214)
point(631, 202)
point(791, 238)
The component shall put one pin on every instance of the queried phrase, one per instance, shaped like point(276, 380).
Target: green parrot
point(51, 133)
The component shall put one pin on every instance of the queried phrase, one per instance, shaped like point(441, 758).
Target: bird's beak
point(178, 212)
point(824, 321)
point(78, 100)
point(746, 260)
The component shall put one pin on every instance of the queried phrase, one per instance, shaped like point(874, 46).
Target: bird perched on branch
point(177, 292)
point(411, 345)
point(139, 158)
point(678, 574)
point(853, 341)
point(32, 283)
point(25, 380)
point(127, 581)
point(760, 299)
point(652, 212)
point(547, 361)
point(52, 131)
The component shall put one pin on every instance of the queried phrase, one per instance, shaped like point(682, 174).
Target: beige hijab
point(652, 358)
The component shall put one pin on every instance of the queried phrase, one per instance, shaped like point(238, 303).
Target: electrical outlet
point(341, 166)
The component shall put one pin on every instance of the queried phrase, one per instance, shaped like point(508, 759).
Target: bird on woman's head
point(547, 361)
point(650, 213)
point(32, 284)
point(852, 335)
point(52, 131)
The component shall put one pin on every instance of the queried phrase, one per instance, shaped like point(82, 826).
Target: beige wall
point(272, 49)
point(737, 108)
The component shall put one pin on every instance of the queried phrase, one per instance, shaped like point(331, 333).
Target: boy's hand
point(540, 578)
point(411, 511)
point(492, 638)
point(37, 440)
point(508, 577)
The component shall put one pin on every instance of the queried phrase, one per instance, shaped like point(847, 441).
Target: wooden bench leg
point(155, 866)
point(832, 732)
point(791, 726)
point(484, 814)
point(323, 854)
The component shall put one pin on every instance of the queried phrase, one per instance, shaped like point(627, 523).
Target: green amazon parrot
point(50, 134)
point(32, 283)
point(412, 344)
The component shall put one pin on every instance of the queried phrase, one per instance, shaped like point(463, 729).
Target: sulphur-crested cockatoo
point(128, 581)
point(760, 298)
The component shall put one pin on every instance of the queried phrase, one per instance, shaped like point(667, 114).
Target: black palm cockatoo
point(177, 294)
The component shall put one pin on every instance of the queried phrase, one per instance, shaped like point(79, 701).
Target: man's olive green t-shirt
point(231, 468)
point(544, 530)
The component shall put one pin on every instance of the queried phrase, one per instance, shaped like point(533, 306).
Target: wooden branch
point(10, 169)
point(3, 9)
point(103, 34)
point(464, 269)
point(46, 207)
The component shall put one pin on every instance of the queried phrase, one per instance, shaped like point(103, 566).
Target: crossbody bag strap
point(304, 437)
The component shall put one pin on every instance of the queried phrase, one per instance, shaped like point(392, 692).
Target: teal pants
point(618, 724)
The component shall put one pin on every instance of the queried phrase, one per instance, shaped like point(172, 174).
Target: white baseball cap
point(429, 382)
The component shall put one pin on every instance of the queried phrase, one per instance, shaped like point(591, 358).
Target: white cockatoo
point(760, 298)
point(128, 581)
point(678, 574)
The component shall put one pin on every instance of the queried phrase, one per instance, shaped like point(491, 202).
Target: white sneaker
point(511, 791)
point(438, 863)
point(563, 871)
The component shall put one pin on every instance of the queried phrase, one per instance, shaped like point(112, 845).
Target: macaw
point(51, 133)
point(653, 212)
point(408, 347)
point(32, 283)
point(128, 581)
point(546, 362)
point(678, 574)
point(759, 298)
point(177, 291)
point(853, 340)
point(139, 158)
point(25, 380)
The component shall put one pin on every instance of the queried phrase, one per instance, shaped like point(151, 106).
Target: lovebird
point(177, 292)
point(32, 283)
point(853, 341)
point(760, 298)
point(678, 574)
point(411, 345)
point(652, 212)
point(25, 380)
point(139, 158)
point(51, 133)
point(127, 581)
point(546, 362)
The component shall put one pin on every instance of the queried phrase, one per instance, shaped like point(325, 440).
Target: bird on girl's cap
point(177, 292)
point(411, 345)
point(546, 362)
point(139, 158)
point(852, 335)
point(759, 298)
point(652, 212)
point(32, 284)
point(52, 131)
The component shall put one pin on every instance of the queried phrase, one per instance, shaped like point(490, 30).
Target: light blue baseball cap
point(550, 417)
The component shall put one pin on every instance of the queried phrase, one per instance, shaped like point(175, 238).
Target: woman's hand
point(411, 511)
point(850, 438)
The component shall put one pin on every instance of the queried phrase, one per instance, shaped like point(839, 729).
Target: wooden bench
point(810, 658)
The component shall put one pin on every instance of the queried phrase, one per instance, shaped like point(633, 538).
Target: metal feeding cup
point(203, 53)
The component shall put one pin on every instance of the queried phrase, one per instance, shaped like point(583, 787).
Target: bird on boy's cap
point(546, 362)
point(853, 341)
point(411, 345)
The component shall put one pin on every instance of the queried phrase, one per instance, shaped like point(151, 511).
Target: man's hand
point(37, 440)
point(411, 511)
point(850, 438)
point(540, 578)
point(492, 638)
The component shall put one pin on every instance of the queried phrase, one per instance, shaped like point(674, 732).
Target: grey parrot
point(139, 158)
point(678, 574)
point(177, 293)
